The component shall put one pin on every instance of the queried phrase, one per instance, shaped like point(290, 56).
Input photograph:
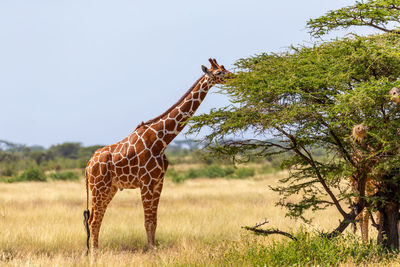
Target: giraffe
point(359, 133)
point(371, 187)
point(138, 161)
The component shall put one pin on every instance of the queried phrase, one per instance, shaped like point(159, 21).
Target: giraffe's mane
point(173, 106)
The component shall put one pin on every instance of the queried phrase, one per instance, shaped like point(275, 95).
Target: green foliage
point(310, 98)
point(69, 175)
point(380, 14)
point(309, 250)
point(32, 174)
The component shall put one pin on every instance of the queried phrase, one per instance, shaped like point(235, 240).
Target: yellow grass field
point(41, 224)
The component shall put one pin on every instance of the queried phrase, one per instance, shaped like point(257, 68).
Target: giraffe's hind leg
point(100, 201)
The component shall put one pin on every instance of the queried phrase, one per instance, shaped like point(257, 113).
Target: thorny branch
point(310, 160)
point(268, 231)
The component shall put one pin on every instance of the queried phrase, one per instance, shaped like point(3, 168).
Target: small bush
point(9, 170)
point(242, 173)
point(175, 176)
point(194, 173)
point(32, 174)
point(266, 169)
point(11, 179)
point(215, 171)
point(72, 176)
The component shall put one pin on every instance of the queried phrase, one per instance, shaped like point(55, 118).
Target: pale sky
point(90, 71)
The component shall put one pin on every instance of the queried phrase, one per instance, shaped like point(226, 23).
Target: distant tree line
point(15, 158)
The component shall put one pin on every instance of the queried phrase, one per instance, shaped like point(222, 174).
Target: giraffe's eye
point(218, 73)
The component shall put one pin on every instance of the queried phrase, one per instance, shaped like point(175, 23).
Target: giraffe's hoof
point(150, 248)
point(121, 189)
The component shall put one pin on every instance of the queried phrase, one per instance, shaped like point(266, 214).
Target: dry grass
point(41, 223)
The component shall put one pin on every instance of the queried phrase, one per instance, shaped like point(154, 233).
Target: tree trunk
point(388, 234)
point(388, 206)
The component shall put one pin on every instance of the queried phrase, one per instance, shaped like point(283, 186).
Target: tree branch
point(268, 231)
point(357, 208)
point(310, 160)
point(381, 28)
point(339, 144)
point(322, 181)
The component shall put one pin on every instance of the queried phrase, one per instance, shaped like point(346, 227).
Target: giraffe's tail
point(86, 215)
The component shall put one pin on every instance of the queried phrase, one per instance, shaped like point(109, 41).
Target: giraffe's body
point(359, 134)
point(138, 161)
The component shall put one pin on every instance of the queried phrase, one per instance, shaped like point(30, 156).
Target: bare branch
point(269, 232)
point(357, 208)
point(261, 224)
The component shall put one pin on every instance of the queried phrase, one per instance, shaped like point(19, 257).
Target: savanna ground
point(199, 224)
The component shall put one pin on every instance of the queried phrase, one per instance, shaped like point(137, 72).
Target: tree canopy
point(313, 97)
point(383, 15)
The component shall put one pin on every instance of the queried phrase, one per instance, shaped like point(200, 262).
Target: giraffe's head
point(217, 73)
point(359, 132)
point(394, 94)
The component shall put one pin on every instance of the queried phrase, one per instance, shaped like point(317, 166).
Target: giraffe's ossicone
point(138, 161)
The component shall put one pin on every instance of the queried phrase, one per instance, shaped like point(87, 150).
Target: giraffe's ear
point(205, 70)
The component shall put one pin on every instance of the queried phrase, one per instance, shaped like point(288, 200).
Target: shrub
point(72, 176)
point(32, 174)
point(241, 173)
point(193, 173)
point(215, 171)
point(11, 179)
point(266, 169)
point(175, 176)
point(9, 170)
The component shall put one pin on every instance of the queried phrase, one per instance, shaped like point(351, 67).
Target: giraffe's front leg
point(150, 200)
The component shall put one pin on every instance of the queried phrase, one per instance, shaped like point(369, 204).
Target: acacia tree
point(312, 97)
point(383, 15)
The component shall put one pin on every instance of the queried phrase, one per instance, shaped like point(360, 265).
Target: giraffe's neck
point(169, 124)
